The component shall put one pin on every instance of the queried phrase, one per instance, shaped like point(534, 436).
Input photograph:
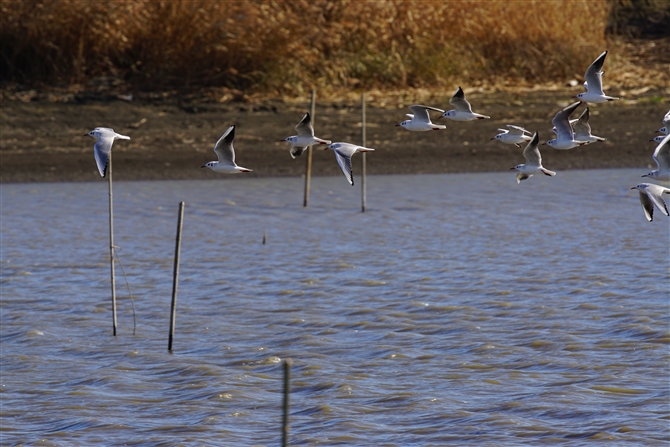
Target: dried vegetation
point(288, 47)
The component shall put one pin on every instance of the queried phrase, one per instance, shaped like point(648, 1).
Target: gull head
point(403, 124)
point(289, 139)
point(517, 168)
point(332, 146)
point(209, 164)
point(498, 137)
point(448, 114)
point(652, 174)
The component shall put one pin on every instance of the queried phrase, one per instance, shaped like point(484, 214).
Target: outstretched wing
point(344, 161)
point(224, 147)
point(304, 127)
point(459, 102)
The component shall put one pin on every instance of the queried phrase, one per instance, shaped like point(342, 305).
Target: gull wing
point(304, 127)
point(521, 176)
point(296, 151)
point(647, 206)
point(662, 154)
point(655, 193)
point(531, 153)
point(421, 112)
point(594, 74)
point(224, 147)
point(516, 130)
point(581, 126)
point(101, 151)
point(344, 160)
point(666, 119)
point(459, 102)
point(562, 123)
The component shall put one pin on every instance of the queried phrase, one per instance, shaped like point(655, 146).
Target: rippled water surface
point(460, 309)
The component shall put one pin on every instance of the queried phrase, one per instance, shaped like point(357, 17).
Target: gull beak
point(512, 169)
point(493, 138)
point(634, 186)
point(543, 144)
point(203, 166)
point(397, 125)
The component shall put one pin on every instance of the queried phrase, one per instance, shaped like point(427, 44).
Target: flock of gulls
point(569, 134)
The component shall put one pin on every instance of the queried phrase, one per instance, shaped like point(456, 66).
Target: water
point(459, 309)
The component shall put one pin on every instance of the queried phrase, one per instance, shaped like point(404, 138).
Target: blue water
point(459, 309)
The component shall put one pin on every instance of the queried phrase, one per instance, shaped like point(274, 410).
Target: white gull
point(594, 82)
point(515, 135)
point(420, 120)
point(305, 137)
point(226, 155)
point(651, 195)
point(533, 163)
point(343, 153)
point(103, 147)
point(463, 109)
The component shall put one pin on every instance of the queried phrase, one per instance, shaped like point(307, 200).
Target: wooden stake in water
point(287, 391)
point(111, 241)
point(363, 143)
point(308, 168)
point(175, 275)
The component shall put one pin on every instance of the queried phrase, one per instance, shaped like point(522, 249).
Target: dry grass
point(287, 47)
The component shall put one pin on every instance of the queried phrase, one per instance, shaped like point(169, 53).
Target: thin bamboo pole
point(175, 275)
point(287, 392)
point(111, 242)
point(308, 167)
point(363, 157)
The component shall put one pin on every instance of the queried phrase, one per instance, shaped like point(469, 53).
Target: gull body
point(462, 109)
point(533, 163)
point(343, 154)
point(651, 195)
point(305, 137)
point(565, 137)
point(594, 82)
point(226, 155)
point(103, 147)
point(515, 135)
point(661, 156)
point(420, 120)
point(582, 129)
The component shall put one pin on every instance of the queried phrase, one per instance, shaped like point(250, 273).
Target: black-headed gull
point(594, 82)
point(658, 138)
point(305, 137)
point(103, 147)
point(533, 161)
point(343, 153)
point(420, 120)
point(651, 195)
point(515, 135)
point(582, 129)
point(661, 156)
point(565, 137)
point(226, 155)
point(463, 109)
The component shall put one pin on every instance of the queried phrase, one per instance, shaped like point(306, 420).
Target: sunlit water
point(459, 309)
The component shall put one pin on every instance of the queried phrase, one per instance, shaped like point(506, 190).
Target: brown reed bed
point(283, 48)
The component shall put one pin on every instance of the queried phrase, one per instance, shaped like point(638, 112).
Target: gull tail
point(121, 137)
point(548, 172)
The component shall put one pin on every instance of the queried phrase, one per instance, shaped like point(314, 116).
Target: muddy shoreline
point(43, 141)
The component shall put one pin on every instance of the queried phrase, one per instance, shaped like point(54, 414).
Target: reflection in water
point(459, 308)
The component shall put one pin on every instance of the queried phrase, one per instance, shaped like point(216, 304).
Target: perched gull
point(665, 130)
point(662, 158)
point(226, 155)
point(420, 120)
point(594, 82)
point(651, 195)
point(103, 147)
point(516, 135)
point(565, 138)
point(583, 129)
point(463, 109)
point(343, 153)
point(305, 137)
point(533, 161)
